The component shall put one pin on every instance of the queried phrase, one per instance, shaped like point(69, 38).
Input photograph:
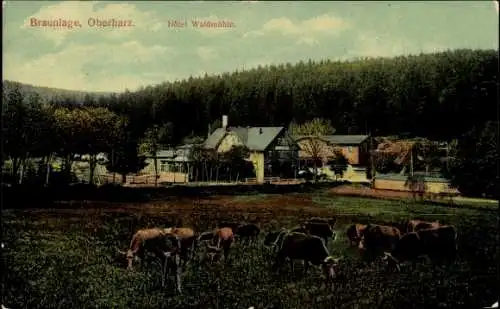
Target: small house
point(266, 144)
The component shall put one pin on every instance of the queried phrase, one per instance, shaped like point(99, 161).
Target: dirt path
point(389, 194)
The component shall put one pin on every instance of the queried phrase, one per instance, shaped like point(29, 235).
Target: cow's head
point(392, 262)
point(329, 265)
point(361, 243)
point(130, 256)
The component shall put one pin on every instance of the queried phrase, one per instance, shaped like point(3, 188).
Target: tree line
point(443, 96)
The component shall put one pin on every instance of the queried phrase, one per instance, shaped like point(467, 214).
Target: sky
point(93, 58)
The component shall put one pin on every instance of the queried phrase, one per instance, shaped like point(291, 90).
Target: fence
point(274, 180)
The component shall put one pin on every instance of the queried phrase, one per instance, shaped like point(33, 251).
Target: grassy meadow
point(65, 258)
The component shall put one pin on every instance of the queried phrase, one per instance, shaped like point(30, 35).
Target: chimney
point(224, 122)
point(260, 130)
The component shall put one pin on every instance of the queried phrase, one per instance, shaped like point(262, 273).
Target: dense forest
point(443, 96)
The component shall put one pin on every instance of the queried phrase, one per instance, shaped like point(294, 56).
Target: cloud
point(305, 31)
point(372, 44)
point(206, 53)
point(83, 10)
point(70, 68)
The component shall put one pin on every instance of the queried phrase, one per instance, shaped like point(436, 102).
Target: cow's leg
point(141, 254)
point(277, 264)
point(226, 247)
point(413, 265)
point(306, 267)
point(164, 271)
point(178, 271)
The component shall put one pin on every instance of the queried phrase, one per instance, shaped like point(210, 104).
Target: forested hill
point(49, 94)
point(439, 95)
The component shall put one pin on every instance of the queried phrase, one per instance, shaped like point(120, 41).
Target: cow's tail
point(324, 247)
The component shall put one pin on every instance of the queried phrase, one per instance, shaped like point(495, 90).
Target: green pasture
point(65, 260)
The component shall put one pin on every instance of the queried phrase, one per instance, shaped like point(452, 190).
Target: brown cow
point(224, 237)
point(353, 233)
point(417, 225)
point(144, 240)
point(378, 238)
point(439, 244)
point(165, 246)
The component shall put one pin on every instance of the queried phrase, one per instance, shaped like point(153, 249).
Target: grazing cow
point(378, 238)
point(224, 237)
point(310, 249)
point(248, 232)
point(439, 244)
point(188, 241)
point(142, 240)
point(417, 225)
point(166, 247)
point(320, 229)
point(353, 233)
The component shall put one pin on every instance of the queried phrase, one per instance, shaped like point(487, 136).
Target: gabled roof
point(255, 138)
point(346, 139)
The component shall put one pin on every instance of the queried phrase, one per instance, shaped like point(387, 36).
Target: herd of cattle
point(176, 246)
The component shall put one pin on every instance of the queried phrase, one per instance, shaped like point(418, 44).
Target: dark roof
point(169, 153)
point(182, 150)
point(341, 139)
point(255, 138)
point(346, 139)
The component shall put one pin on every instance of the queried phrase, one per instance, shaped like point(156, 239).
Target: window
point(163, 166)
point(349, 148)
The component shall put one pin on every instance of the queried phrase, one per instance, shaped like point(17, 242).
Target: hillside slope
point(51, 93)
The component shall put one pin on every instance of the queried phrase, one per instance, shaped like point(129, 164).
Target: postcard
point(250, 154)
